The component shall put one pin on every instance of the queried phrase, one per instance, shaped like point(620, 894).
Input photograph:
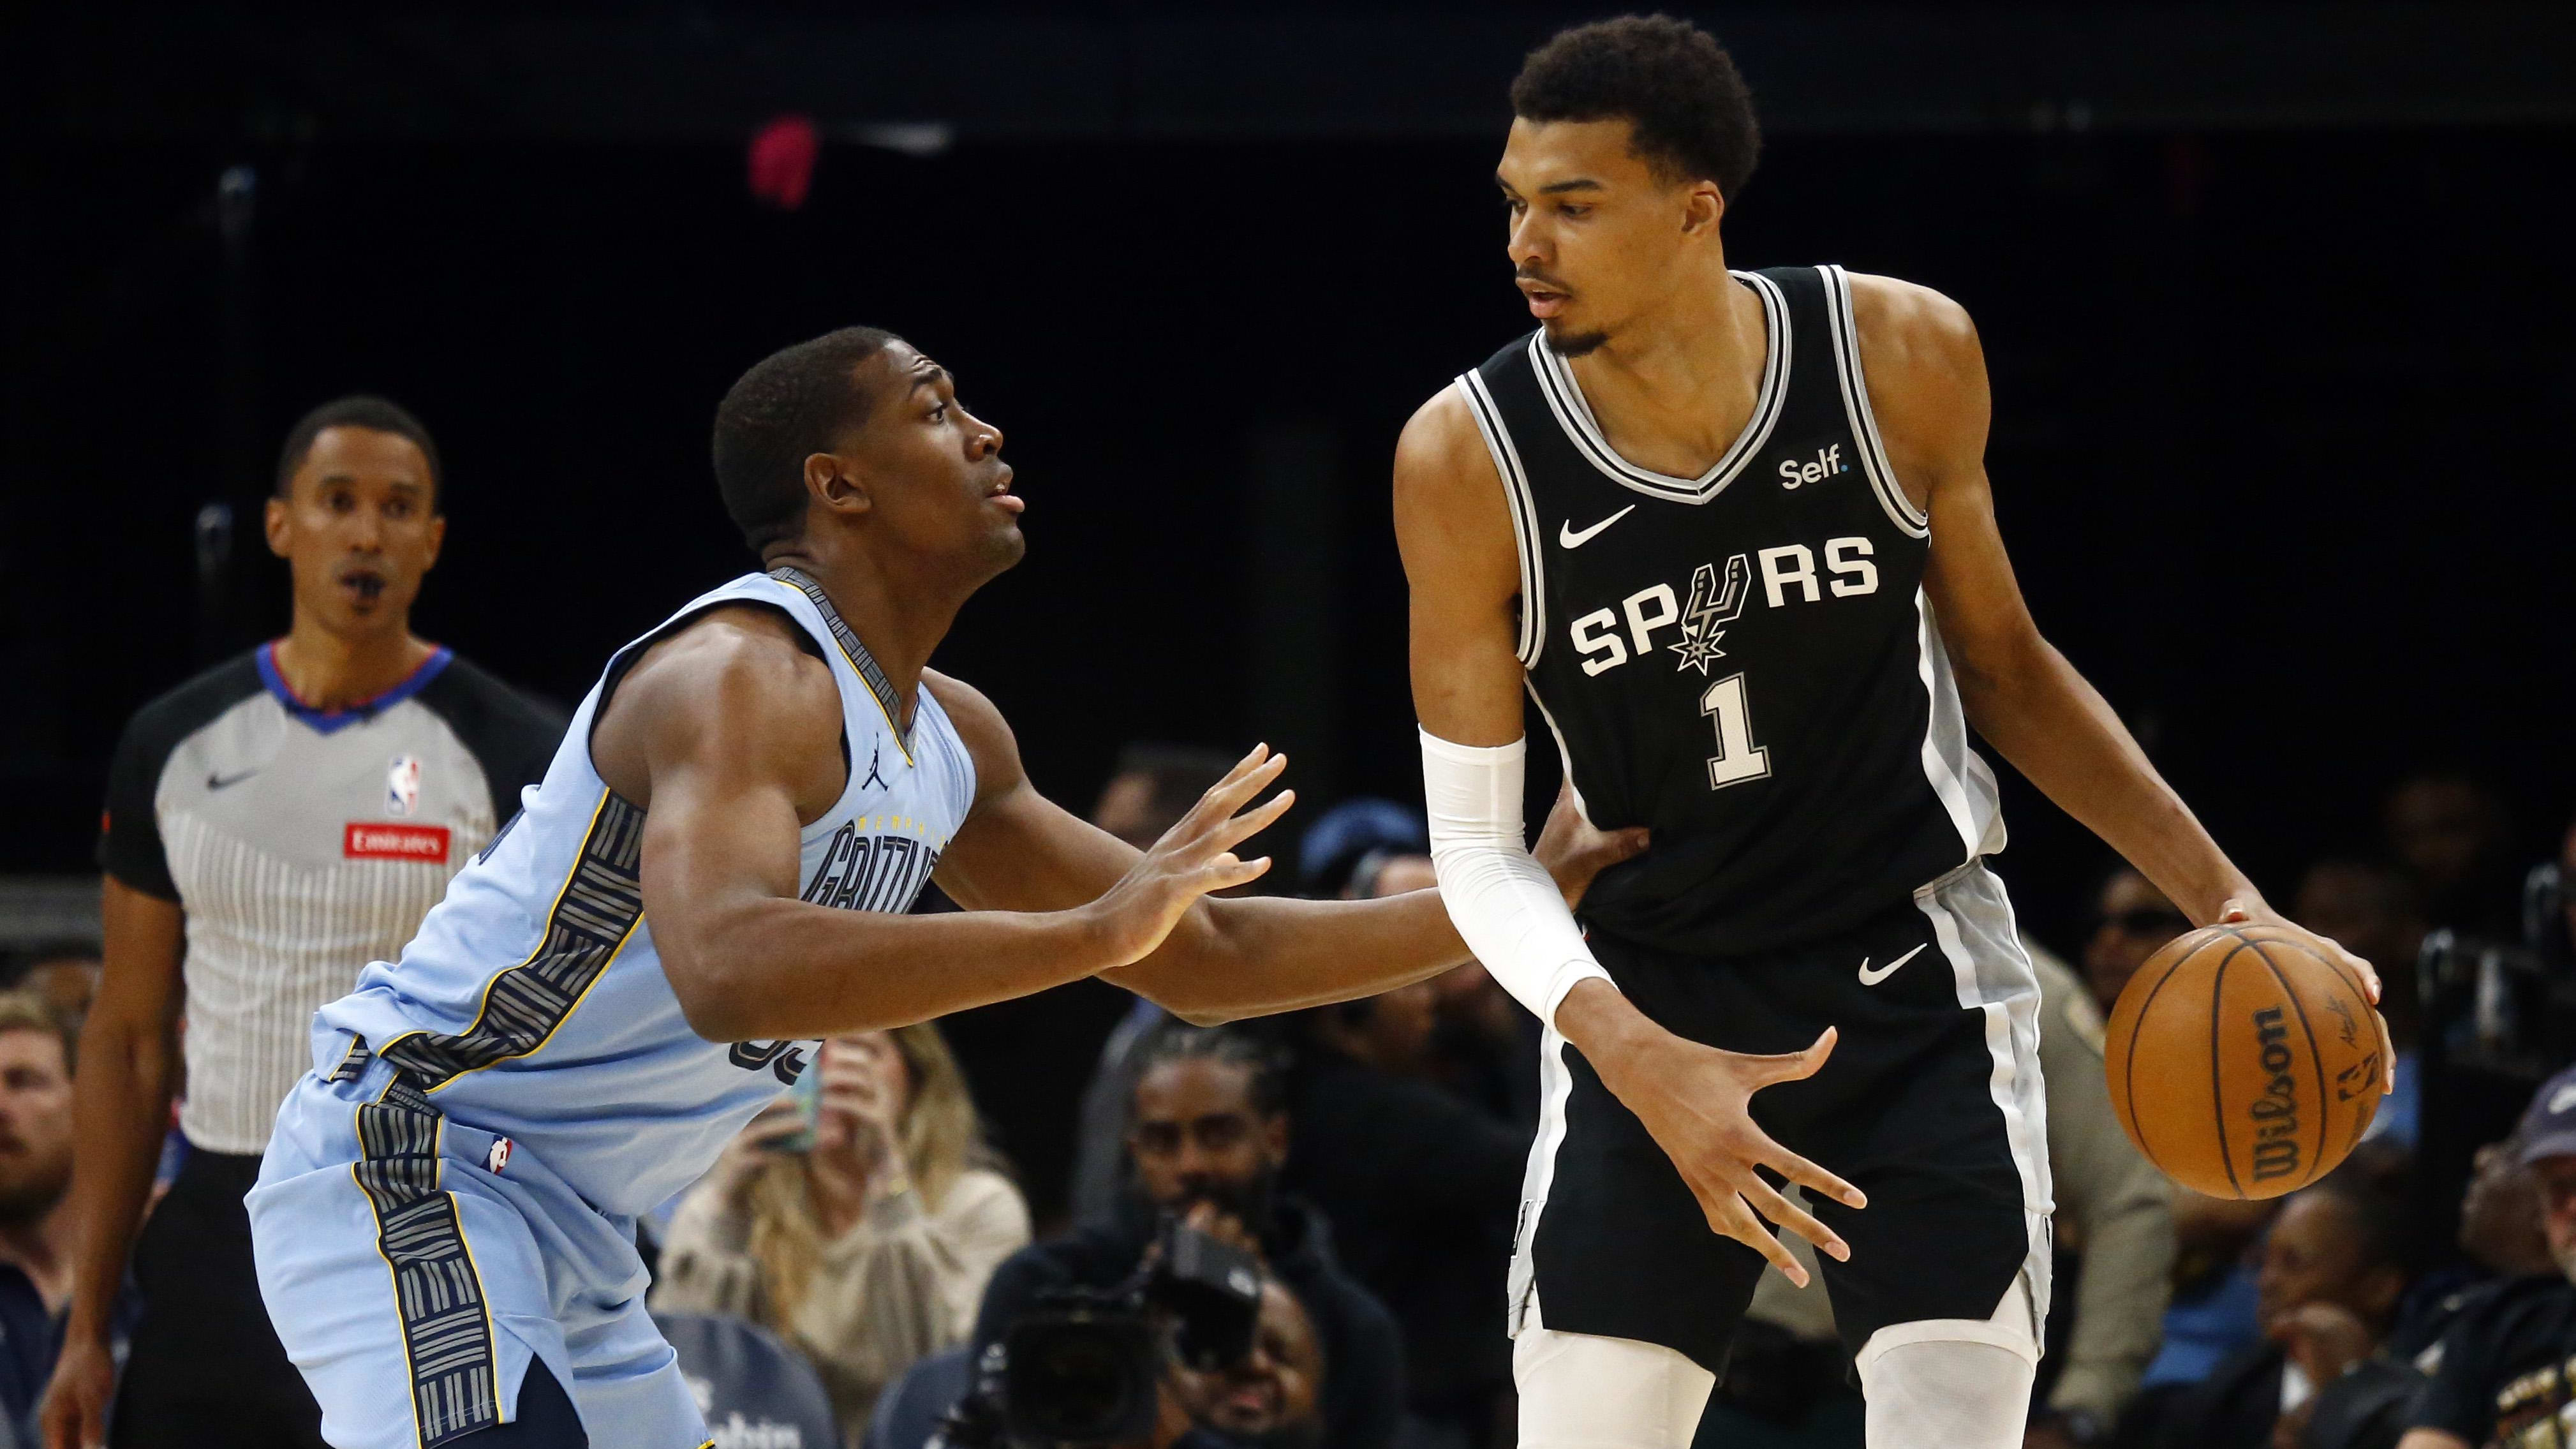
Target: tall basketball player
point(713, 873)
point(1732, 531)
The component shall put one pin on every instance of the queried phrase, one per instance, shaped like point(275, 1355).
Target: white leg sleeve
point(1952, 1383)
point(1579, 1391)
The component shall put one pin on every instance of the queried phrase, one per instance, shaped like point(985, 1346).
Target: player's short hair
point(1690, 113)
point(1264, 1063)
point(358, 410)
point(792, 404)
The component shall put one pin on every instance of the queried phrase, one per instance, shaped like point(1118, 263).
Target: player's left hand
point(2255, 911)
point(1573, 850)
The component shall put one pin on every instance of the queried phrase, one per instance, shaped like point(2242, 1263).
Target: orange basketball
point(2243, 1061)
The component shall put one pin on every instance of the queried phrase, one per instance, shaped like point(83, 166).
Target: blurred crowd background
point(2274, 303)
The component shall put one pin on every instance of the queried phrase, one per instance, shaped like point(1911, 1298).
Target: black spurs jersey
point(1743, 661)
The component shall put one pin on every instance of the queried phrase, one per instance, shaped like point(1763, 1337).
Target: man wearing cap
point(2507, 1377)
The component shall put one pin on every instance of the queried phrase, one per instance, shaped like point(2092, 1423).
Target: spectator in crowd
point(2503, 1235)
point(2114, 1214)
point(1421, 1187)
point(1272, 1399)
point(1483, 1046)
point(859, 1221)
point(2502, 1377)
point(1152, 788)
point(1209, 1132)
point(36, 1055)
point(2131, 921)
point(271, 827)
point(2333, 1273)
point(2549, 905)
point(65, 973)
point(2452, 832)
point(2376, 912)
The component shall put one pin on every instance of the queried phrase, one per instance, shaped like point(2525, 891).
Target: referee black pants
point(205, 1370)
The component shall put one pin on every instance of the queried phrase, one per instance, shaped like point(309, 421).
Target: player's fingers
point(2234, 911)
point(1805, 1174)
point(1226, 872)
point(2368, 973)
point(2387, 1055)
point(1729, 1217)
point(1251, 822)
point(1775, 1206)
point(1790, 1066)
point(1228, 795)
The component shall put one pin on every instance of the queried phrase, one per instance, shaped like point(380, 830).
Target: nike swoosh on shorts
point(1872, 978)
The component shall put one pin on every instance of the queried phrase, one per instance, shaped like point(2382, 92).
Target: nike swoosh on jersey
point(1566, 536)
point(1872, 978)
point(220, 782)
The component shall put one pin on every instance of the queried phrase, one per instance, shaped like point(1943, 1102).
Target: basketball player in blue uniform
point(712, 874)
point(1731, 530)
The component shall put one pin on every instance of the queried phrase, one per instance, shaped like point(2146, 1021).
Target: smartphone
point(807, 1094)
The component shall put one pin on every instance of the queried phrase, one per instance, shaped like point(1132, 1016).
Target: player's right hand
point(1194, 858)
point(75, 1412)
point(1695, 1101)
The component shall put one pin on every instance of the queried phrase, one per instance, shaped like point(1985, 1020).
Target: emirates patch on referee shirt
point(365, 840)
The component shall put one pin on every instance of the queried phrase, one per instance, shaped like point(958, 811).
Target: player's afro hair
point(793, 403)
point(1669, 79)
point(361, 410)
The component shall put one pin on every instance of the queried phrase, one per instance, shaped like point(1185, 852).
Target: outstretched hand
point(2254, 911)
point(1696, 1101)
point(1194, 858)
point(1574, 850)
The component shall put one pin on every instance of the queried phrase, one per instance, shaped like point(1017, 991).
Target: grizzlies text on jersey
point(1743, 661)
point(453, 1189)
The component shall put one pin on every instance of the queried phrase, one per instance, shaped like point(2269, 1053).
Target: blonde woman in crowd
point(858, 1218)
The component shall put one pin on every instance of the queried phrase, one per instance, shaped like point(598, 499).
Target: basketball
point(2243, 1061)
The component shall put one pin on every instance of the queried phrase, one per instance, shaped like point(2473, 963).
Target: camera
point(1085, 1366)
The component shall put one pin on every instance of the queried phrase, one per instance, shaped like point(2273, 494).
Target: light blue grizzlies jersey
point(532, 1004)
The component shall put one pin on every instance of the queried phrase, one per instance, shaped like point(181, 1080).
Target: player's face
point(1197, 1137)
point(935, 472)
point(1275, 1388)
point(358, 528)
point(1596, 235)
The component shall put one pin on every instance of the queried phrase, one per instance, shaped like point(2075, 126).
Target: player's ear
point(276, 523)
point(833, 483)
point(1702, 209)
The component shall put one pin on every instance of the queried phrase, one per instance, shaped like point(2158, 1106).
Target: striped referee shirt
point(303, 844)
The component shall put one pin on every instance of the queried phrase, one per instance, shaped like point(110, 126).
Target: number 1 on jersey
point(1738, 759)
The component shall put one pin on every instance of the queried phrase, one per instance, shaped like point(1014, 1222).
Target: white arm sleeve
point(1500, 898)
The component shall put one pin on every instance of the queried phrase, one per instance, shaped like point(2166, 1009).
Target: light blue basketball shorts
point(414, 1265)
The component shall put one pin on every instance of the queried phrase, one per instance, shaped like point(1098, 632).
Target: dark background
point(2280, 395)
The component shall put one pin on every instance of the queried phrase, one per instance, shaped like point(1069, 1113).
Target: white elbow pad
point(1500, 898)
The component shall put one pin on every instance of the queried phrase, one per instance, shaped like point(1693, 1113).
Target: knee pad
point(1952, 1383)
point(1581, 1391)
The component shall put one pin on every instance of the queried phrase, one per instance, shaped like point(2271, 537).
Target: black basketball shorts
point(1930, 1104)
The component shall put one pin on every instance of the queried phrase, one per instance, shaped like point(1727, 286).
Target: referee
point(271, 827)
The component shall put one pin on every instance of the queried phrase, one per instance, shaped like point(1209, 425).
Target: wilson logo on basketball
point(2276, 1112)
point(364, 841)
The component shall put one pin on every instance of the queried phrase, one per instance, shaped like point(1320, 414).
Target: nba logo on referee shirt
point(402, 785)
